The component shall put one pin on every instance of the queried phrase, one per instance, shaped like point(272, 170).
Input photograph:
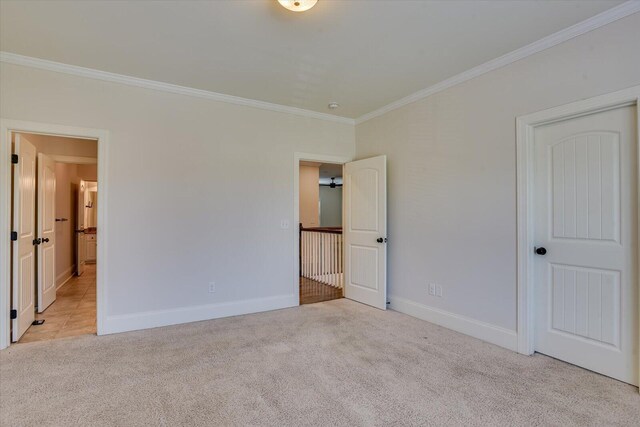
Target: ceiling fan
point(332, 184)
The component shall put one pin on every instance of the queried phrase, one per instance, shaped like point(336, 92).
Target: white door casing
point(80, 237)
point(24, 211)
point(8, 127)
point(365, 231)
point(46, 232)
point(586, 216)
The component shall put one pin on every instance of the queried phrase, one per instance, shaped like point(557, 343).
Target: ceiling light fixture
point(298, 5)
point(333, 105)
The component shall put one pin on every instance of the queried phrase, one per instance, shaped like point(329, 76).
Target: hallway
point(73, 313)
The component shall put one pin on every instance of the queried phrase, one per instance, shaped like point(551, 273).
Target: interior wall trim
point(65, 276)
point(175, 316)
point(465, 325)
point(611, 15)
point(58, 67)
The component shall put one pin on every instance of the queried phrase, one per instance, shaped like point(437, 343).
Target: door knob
point(541, 251)
point(45, 239)
point(37, 241)
point(381, 240)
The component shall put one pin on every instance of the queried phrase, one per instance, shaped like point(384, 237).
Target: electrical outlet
point(212, 287)
point(435, 290)
point(284, 224)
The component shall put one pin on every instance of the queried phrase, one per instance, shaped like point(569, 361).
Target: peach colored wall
point(63, 146)
point(66, 196)
point(88, 172)
point(68, 178)
point(309, 196)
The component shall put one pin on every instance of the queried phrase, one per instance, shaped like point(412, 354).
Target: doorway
point(39, 271)
point(321, 262)
point(54, 203)
point(362, 246)
point(581, 247)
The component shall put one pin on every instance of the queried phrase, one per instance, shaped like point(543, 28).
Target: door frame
point(525, 127)
point(297, 158)
point(7, 127)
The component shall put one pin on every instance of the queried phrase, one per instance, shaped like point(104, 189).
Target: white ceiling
point(361, 54)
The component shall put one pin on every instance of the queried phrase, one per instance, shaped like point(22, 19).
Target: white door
point(365, 231)
point(80, 237)
point(586, 181)
point(46, 189)
point(24, 224)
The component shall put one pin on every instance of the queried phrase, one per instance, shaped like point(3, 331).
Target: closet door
point(24, 254)
point(46, 231)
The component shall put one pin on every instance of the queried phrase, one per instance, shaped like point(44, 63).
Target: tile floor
point(73, 312)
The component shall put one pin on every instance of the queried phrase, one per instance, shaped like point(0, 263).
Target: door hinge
point(14, 236)
point(14, 314)
point(14, 159)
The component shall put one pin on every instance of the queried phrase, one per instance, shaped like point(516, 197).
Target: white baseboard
point(465, 325)
point(65, 276)
point(154, 319)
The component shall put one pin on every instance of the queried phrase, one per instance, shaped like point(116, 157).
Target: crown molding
point(595, 22)
point(618, 12)
point(43, 64)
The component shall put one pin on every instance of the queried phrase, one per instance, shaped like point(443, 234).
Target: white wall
point(197, 191)
point(330, 206)
point(309, 196)
point(452, 177)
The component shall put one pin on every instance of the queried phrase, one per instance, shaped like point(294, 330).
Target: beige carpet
point(333, 363)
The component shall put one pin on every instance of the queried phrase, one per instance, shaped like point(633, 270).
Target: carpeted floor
point(333, 363)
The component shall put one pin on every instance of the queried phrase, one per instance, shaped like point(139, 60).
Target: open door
point(24, 211)
point(365, 231)
point(80, 241)
point(46, 189)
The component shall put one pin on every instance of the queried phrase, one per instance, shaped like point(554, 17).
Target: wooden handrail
point(332, 230)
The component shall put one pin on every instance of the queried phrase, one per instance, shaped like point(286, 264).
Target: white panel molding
point(593, 23)
point(157, 318)
point(525, 126)
point(484, 331)
point(43, 64)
